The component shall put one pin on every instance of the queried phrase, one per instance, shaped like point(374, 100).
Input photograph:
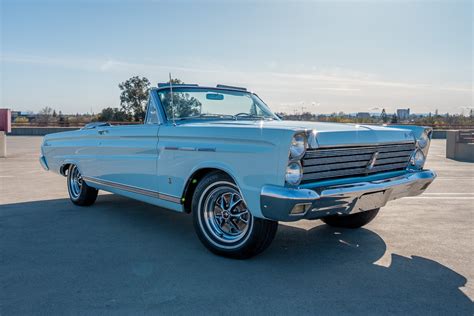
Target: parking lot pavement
point(127, 257)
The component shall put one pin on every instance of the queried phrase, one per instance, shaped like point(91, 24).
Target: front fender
point(252, 157)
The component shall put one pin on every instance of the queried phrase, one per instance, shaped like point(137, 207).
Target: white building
point(403, 114)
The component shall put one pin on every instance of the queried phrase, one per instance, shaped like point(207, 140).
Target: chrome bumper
point(279, 203)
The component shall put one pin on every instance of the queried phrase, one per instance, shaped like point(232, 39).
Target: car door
point(128, 154)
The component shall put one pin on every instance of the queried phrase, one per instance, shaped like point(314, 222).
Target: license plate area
point(371, 201)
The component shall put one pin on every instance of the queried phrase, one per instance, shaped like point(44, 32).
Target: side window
point(152, 114)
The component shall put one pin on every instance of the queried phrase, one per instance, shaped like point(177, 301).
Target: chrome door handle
point(103, 131)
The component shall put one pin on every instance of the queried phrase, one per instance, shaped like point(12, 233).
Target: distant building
point(363, 115)
point(23, 114)
point(403, 114)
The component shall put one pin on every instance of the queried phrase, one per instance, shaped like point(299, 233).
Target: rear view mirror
point(214, 96)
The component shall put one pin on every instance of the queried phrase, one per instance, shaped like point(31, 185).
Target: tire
point(224, 224)
point(79, 192)
point(356, 220)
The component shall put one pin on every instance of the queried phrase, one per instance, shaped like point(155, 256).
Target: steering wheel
point(243, 113)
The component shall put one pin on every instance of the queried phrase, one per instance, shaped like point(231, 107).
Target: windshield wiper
point(225, 116)
point(204, 116)
point(252, 116)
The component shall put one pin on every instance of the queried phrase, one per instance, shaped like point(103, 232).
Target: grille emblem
point(372, 161)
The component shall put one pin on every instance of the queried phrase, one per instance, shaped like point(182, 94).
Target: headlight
point(298, 146)
point(294, 173)
point(417, 159)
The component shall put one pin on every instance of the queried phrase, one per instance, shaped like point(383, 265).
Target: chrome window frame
point(160, 106)
point(154, 102)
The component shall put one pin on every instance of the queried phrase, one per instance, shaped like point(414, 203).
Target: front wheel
point(223, 222)
point(352, 220)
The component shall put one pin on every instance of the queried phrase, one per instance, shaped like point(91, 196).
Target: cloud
point(335, 88)
point(70, 63)
point(108, 65)
point(341, 79)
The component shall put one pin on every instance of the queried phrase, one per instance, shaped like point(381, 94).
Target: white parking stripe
point(443, 197)
point(459, 178)
point(447, 193)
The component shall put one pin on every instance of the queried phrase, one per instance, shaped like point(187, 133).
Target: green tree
point(106, 115)
point(134, 96)
point(113, 114)
point(394, 119)
point(184, 105)
point(120, 116)
point(384, 116)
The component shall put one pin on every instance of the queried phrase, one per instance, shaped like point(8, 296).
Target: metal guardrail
point(67, 124)
point(440, 126)
point(82, 124)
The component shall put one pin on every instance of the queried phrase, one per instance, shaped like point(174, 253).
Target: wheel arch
point(64, 168)
point(193, 181)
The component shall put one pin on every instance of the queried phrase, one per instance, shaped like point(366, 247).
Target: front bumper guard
point(277, 203)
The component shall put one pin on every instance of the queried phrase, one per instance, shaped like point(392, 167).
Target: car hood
point(323, 134)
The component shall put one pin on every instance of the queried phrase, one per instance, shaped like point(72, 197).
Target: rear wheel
point(352, 220)
point(79, 192)
point(223, 222)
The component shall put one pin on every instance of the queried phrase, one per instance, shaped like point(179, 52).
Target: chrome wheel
point(75, 182)
point(225, 214)
point(224, 223)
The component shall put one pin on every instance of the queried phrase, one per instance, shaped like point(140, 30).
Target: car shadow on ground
point(125, 256)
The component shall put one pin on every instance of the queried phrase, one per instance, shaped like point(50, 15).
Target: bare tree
point(45, 115)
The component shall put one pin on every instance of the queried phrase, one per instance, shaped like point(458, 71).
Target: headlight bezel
point(423, 140)
point(417, 160)
point(297, 180)
point(298, 146)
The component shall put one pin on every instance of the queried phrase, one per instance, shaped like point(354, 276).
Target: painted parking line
point(448, 193)
point(458, 178)
point(442, 197)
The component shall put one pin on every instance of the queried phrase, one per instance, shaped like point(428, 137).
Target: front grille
point(341, 162)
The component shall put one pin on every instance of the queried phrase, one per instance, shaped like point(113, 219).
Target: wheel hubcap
point(75, 183)
point(226, 214)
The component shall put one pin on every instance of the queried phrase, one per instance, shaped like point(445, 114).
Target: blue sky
point(323, 56)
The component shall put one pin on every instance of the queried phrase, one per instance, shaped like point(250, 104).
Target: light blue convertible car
point(221, 154)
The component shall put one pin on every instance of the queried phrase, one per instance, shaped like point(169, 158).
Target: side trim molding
point(129, 188)
point(190, 148)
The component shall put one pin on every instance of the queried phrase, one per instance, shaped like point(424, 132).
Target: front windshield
point(199, 103)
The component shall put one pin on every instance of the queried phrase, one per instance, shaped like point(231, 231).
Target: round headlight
point(423, 140)
point(298, 146)
point(294, 173)
point(417, 159)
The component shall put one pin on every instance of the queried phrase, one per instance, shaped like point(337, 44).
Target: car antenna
point(171, 100)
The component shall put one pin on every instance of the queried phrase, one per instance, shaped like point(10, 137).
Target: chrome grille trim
point(330, 163)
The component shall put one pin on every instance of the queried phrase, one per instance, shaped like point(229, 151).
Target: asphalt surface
point(121, 256)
